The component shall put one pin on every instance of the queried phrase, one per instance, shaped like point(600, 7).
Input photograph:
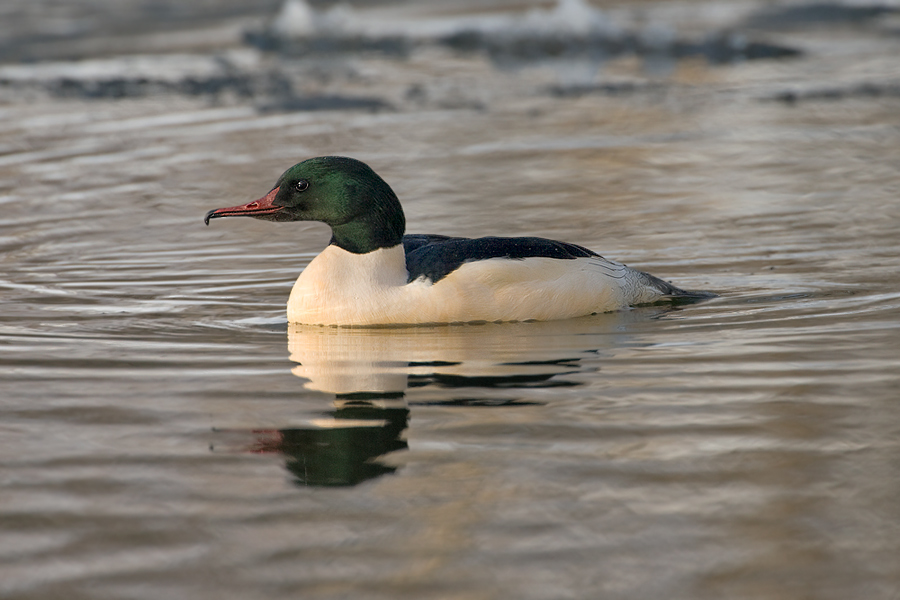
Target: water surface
point(165, 433)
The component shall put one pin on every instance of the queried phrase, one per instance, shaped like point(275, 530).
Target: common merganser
point(373, 274)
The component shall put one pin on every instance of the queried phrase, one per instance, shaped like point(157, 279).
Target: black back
point(436, 256)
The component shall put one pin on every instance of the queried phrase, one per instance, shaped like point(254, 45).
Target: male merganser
point(373, 274)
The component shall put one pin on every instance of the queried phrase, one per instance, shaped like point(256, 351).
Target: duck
point(374, 274)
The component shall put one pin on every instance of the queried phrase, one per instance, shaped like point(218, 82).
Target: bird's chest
point(339, 287)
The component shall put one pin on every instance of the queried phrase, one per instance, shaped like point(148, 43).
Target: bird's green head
point(362, 210)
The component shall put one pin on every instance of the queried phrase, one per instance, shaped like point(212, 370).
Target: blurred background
point(303, 55)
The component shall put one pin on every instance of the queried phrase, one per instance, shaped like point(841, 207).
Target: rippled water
point(166, 434)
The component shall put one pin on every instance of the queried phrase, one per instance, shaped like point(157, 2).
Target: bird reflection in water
point(344, 449)
point(370, 371)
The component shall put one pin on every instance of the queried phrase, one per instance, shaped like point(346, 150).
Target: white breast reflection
point(378, 360)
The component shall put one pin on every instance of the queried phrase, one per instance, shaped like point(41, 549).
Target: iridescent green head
point(362, 210)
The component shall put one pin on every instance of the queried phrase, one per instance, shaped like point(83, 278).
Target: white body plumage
point(346, 289)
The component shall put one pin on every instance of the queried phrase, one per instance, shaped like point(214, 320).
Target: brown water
point(165, 434)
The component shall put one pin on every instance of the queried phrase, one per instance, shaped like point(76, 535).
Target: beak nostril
point(253, 205)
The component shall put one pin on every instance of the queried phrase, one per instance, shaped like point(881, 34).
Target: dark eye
point(301, 185)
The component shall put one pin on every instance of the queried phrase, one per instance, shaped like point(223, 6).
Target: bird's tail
point(676, 293)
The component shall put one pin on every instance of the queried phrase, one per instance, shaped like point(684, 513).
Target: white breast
point(342, 288)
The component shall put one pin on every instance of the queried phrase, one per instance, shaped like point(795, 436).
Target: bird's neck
point(380, 227)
